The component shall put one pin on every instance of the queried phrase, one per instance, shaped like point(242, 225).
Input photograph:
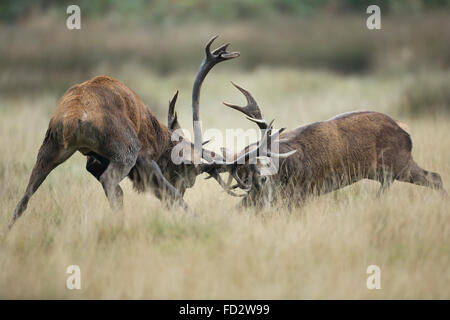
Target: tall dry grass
point(319, 251)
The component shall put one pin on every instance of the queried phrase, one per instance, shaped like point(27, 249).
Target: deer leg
point(385, 180)
point(49, 157)
point(416, 175)
point(96, 165)
point(111, 177)
point(166, 187)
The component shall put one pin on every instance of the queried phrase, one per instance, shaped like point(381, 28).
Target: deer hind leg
point(416, 175)
point(96, 165)
point(50, 155)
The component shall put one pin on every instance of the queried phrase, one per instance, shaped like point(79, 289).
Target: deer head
point(183, 171)
point(245, 167)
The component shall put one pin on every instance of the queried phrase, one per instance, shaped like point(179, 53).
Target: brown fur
point(102, 104)
point(107, 122)
point(340, 151)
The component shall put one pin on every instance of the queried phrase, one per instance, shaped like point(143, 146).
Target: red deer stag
point(107, 122)
point(330, 155)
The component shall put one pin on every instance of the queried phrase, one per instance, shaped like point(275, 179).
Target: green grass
point(427, 96)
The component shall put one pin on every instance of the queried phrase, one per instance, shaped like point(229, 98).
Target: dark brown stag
point(330, 155)
point(109, 124)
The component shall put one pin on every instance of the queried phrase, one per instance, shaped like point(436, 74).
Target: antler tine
point(224, 185)
point(251, 110)
point(276, 133)
point(270, 124)
point(208, 46)
point(250, 100)
point(281, 155)
point(220, 49)
point(257, 121)
point(204, 143)
point(236, 107)
point(173, 102)
point(172, 115)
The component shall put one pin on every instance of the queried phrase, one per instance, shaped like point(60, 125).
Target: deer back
point(108, 107)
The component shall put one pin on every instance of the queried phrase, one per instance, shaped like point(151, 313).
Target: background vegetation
point(304, 61)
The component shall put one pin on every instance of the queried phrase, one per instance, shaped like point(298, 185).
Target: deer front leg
point(110, 180)
point(167, 187)
point(96, 165)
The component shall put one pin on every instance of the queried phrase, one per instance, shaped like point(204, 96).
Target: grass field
point(319, 251)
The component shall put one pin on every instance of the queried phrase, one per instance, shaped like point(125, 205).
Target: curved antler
point(251, 109)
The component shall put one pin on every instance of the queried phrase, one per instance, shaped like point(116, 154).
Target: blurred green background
point(38, 54)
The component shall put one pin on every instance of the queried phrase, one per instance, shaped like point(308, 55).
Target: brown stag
point(121, 137)
point(330, 155)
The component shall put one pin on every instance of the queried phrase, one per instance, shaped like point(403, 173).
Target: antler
point(227, 185)
point(172, 122)
point(254, 114)
point(251, 109)
point(262, 149)
point(211, 59)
